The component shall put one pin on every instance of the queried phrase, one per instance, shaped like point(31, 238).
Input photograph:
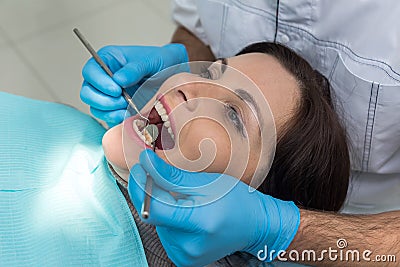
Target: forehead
point(265, 71)
point(271, 81)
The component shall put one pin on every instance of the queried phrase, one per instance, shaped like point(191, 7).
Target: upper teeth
point(164, 116)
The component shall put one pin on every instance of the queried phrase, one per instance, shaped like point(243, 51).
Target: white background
point(41, 58)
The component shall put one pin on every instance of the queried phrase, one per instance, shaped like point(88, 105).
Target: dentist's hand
point(130, 65)
point(210, 215)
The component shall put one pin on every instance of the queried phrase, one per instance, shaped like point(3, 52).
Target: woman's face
point(223, 121)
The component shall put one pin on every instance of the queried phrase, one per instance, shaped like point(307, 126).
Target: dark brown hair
point(311, 165)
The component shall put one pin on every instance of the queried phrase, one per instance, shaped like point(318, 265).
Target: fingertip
point(149, 159)
point(86, 70)
point(121, 78)
point(146, 156)
point(97, 99)
point(136, 181)
point(128, 76)
point(164, 174)
point(180, 52)
point(137, 174)
point(83, 94)
point(110, 117)
point(108, 86)
point(113, 90)
point(98, 113)
point(116, 116)
point(94, 75)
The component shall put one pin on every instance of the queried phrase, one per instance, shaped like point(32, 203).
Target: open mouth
point(158, 116)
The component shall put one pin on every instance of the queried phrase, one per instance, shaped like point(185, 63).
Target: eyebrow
point(248, 98)
point(244, 95)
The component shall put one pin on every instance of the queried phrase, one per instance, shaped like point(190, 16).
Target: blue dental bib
point(59, 204)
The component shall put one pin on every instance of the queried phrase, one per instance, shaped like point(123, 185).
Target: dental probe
point(153, 131)
point(108, 71)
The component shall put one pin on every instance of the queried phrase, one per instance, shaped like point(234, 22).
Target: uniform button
point(285, 38)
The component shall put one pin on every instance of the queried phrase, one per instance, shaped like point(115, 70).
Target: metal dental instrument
point(153, 131)
point(150, 128)
point(108, 71)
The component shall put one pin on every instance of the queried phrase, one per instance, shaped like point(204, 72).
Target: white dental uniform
point(356, 44)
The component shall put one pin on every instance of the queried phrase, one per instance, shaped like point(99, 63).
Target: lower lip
point(128, 127)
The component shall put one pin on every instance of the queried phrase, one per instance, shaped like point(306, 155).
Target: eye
point(234, 116)
point(232, 113)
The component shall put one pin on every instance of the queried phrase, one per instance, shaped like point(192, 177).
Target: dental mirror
point(153, 132)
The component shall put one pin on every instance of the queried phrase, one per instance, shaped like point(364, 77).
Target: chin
point(113, 148)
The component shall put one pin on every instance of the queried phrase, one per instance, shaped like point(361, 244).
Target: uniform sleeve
point(184, 13)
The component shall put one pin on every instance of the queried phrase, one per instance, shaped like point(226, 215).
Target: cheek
point(119, 148)
point(203, 146)
point(207, 146)
point(112, 146)
point(252, 165)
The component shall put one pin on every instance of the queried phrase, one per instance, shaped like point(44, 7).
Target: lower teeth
point(139, 127)
point(148, 137)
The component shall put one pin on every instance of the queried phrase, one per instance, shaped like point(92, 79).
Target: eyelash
point(237, 122)
point(212, 74)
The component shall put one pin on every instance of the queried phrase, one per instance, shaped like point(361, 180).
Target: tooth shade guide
point(151, 133)
point(148, 134)
point(158, 132)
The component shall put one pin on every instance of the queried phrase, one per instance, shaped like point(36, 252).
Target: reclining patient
point(63, 196)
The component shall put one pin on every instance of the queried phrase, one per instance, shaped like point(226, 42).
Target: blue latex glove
point(236, 221)
point(130, 65)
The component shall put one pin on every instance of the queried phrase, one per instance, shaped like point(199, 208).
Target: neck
point(122, 176)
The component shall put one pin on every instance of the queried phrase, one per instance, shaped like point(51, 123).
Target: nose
point(188, 88)
point(191, 90)
point(188, 94)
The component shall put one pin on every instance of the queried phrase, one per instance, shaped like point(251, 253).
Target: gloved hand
point(210, 215)
point(130, 65)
